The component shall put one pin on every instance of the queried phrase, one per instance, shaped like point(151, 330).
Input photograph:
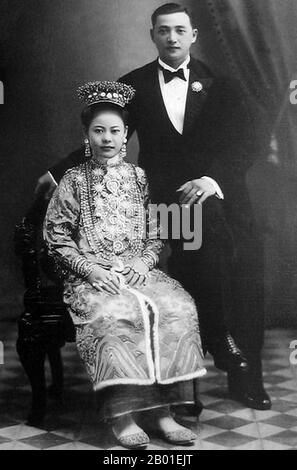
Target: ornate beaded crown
point(106, 92)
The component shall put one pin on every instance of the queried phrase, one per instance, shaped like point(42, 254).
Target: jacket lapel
point(196, 97)
point(155, 100)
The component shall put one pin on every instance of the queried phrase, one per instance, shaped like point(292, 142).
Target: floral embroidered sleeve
point(153, 243)
point(60, 226)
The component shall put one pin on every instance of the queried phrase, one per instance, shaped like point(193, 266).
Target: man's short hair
point(170, 8)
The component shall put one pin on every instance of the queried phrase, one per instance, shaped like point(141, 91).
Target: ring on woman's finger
point(199, 193)
point(97, 286)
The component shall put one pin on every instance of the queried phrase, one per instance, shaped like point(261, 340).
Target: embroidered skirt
point(144, 336)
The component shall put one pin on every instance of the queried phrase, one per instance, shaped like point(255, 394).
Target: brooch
point(196, 87)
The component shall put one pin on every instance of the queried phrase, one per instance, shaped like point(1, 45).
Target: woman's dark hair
point(170, 8)
point(89, 113)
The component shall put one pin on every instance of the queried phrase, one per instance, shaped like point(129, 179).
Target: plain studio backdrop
point(48, 49)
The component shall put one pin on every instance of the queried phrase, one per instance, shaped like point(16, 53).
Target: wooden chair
point(45, 325)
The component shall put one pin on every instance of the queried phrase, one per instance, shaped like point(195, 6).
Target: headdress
point(116, 93)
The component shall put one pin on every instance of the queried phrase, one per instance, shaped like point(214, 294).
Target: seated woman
point(136, 328)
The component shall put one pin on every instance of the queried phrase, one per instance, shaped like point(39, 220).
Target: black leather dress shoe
point(248, 389)
point(258, 400)
point(228, 357)
point(35, 418)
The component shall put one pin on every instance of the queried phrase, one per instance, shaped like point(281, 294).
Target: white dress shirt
point(174, 94)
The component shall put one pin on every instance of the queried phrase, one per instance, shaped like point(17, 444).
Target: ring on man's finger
point(199, 193)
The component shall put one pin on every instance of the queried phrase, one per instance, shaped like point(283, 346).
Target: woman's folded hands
point(104, 280)
point(134, 274)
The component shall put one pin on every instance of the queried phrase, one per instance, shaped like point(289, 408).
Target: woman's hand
point(103, 280)
point(135, 272)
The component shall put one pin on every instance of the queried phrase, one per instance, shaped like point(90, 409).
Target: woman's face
point(106, 134)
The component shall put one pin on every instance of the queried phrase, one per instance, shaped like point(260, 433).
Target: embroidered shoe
point(137, 440)
point(160, 423)
point(180, 437)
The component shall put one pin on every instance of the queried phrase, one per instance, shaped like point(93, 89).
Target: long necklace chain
point(112, 246)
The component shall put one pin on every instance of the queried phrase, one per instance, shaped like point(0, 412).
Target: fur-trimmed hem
point(182, 378)
point(108, 383)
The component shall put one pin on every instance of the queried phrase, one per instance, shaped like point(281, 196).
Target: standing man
point(197, 140)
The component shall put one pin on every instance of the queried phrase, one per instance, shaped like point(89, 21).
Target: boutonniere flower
point(196, 87)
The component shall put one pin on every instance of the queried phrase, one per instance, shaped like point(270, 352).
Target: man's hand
point(103, 280)
point(135, 272)
point(45, 186)
point(196, 191)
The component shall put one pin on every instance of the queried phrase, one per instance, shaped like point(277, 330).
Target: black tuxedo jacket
point(219, 138)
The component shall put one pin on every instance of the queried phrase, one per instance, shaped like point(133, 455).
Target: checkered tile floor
point(223, 424)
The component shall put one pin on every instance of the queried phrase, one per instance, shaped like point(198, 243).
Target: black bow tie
point(168, 75)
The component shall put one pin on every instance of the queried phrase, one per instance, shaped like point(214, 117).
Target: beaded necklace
point(112, 209)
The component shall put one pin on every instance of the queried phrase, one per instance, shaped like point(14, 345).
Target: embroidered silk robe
point(144, 335)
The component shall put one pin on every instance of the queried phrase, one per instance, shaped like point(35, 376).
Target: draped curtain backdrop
point(256, 41)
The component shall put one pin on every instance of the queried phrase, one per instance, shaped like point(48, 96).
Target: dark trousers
point(246, 322)
point(225, 277)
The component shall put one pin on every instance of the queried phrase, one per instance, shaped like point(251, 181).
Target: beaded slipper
point(133, 441)
point(181, 437)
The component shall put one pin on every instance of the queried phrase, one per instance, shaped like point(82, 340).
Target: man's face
point(173, 36)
